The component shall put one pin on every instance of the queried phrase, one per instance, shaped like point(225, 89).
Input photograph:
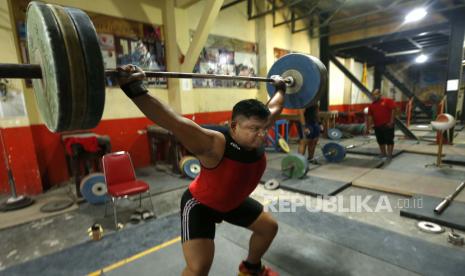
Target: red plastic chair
point(121, 180)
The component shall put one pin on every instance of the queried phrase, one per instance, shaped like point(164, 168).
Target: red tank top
point(226, 186)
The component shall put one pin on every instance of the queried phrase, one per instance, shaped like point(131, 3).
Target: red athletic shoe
point(266, 271)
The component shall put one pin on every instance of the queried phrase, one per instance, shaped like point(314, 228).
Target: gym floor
point(308, 242)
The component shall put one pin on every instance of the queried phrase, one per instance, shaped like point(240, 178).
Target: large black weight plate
point(77, 67)
point(310, 77)
point(95, 70)
point(46, 48)
point(56, 205)
point(333, 152)
point(294, 165)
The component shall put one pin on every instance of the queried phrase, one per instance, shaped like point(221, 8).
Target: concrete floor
point(25, 243)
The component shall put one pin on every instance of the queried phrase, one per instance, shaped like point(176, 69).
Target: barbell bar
point(34, 71)
point(68, 74)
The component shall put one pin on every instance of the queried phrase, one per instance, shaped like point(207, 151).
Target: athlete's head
point(249, 123)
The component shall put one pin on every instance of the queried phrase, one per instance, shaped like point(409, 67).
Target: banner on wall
point(226, 56)
point(122, 41)
point(11, 101)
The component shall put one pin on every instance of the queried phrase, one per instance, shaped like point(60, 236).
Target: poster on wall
point(11, 101)
point(278, 53)
point(226, 56)
point(121, 41)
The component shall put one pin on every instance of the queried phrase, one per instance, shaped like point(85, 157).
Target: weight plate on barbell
point(309, 76)
point(294, 165)
point(283, 145)
point(94, 189)
point(46, 48)
point(95, 70)
point(333, 152)
point(77, 67)
point(272, 184)
point(334, 134)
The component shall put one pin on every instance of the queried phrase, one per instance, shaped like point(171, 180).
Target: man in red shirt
point(232, 163)
point(382, 113)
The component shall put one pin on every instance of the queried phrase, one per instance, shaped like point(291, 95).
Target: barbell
point(68, 74)
point(295, 165)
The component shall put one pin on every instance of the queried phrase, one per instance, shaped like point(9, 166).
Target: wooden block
point(339, 172)
point(408, 184)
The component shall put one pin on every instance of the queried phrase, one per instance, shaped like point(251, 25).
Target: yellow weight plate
point(283, 145)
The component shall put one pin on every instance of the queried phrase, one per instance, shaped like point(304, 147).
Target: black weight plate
point(56, 205)
point(46, 48)
point(95, 70)
point(77, 68)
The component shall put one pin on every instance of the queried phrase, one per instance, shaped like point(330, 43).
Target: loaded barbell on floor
point(295, 165)
point(69, 76)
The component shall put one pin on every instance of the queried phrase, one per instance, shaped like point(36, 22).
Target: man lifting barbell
point(232, 165)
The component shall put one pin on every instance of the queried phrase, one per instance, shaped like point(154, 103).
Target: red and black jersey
point(381, 111)
point(226, 186)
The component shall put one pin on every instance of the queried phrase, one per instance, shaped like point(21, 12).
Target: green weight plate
point(46, 48)
point(95, 70)
point(294, 165)
point(78, 76)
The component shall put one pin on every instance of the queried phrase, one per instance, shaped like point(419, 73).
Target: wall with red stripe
point(38, 159)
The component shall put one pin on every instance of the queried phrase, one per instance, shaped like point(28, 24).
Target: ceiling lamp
point(415, 15)
point(421, 58)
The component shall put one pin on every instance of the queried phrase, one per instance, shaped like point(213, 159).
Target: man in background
point(309, 131)
point(381, 114)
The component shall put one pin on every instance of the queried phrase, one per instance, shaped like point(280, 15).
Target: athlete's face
point(249, 132)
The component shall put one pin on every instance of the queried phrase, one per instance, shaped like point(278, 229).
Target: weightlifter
point(232, 165)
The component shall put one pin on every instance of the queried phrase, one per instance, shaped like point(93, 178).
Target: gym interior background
point(363, 44)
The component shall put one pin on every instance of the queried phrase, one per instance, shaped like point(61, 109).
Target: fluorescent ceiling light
point(415, 15)
point(421, 58)
point(401, 53)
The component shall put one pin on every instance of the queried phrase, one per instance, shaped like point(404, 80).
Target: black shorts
point(384, 135)
point(198, 221)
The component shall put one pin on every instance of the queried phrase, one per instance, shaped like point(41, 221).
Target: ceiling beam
point(184, 4)
point(389, 37)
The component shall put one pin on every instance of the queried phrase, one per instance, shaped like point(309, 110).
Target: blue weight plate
point(333, 152)
point(310, 78)
point(94, 189)
point(334, 134)
point(191, 167)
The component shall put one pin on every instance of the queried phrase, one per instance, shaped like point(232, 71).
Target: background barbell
point(69, 76)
